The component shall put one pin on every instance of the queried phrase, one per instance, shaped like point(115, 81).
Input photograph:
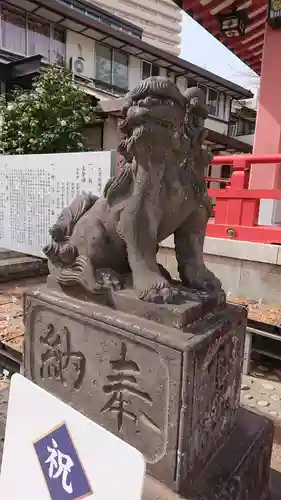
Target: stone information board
point(35, 188)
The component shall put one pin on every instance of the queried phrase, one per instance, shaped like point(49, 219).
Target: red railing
point(237, 206)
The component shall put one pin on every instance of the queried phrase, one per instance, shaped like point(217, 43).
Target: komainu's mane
point(156, 87)
point(162, 90)
point(119, 185)
point(138, 105)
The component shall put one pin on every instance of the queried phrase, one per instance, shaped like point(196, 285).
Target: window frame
point(233, 127)
point(13, 10)
point(151, 68)
point(110, 85)
point(58, 28)
point(27, 16)
point(33, 18)
point(216, 115)
point(207, 89)
point(245, 127)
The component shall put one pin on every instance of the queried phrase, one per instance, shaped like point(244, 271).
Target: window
point(233, 128)
point(241, 127)
point(212, 99)
point(213, 102)
point(252, 127)
point(13, 31)
point(227, 107)
point(191, 83)
point(103, 64)
point(58, 46)
point(245, 127)
point(212, 96)
point(148, 69)
point(111, 67)
point(27, 35)
point(38, 38)
point(120, 69)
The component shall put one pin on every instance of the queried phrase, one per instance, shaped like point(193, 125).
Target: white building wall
point(134, 72)
point(249, 139)
point(111, 134)
point(181, 83)
point(216, 125)
point(79, 45)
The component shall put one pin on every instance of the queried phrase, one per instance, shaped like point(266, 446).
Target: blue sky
point(201, 48)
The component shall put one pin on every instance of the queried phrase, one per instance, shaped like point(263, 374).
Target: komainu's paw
point(211, 282)
point(159, 296)
point(159, 291)
point(109, 279)
point(200, 279)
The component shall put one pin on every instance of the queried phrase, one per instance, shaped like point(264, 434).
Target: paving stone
point(274, 378)
point(268, 387)
point(248, 396)
point(273, 413)
point(275, 397)
point(263, 403)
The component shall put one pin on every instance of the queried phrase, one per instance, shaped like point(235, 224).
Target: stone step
point(9, 254)
point(21, 267)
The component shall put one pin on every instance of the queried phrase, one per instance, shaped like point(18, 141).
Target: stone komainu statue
point(159, 191)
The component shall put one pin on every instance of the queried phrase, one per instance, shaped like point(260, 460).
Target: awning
point(220, 142)
point(21, 71)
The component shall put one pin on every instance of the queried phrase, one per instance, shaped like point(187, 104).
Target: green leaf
point(49, 117)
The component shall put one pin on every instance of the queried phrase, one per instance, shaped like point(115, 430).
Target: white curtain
point(13, 31)
point(38, 38)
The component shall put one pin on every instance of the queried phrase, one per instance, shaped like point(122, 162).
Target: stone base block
point(240, 471)
point(171, 393)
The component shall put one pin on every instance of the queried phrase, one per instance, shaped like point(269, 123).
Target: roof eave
point(229, 142)
point(184, 67)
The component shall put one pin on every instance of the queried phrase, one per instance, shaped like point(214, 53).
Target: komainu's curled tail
point(60, 250)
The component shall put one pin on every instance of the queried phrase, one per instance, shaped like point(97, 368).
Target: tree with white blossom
point(48, 118)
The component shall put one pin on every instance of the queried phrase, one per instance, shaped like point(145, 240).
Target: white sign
point(35, 188)
point(53, 452)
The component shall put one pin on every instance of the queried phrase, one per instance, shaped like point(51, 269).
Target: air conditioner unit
point(77, 68)
point(77, 65)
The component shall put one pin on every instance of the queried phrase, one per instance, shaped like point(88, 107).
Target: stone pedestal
point(240, 470)
point(164, 378)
